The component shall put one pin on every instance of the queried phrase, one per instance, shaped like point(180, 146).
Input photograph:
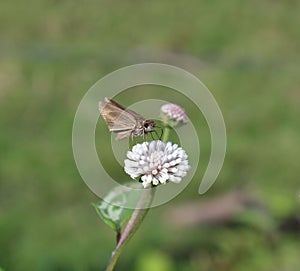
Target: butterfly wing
point(118, 118)
point(121, 135)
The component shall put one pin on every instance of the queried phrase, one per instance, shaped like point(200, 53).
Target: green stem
point(166, 134)
point(133, 224)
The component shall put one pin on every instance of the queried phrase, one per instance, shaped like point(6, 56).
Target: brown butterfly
point(124, 121)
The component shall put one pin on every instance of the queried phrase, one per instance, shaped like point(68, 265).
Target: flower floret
point(157, 163)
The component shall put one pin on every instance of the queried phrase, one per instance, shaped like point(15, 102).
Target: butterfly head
point(148, 125)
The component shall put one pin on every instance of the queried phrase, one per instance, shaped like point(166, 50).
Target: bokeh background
point(246, 52)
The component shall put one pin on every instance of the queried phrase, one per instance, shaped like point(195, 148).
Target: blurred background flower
point(173, 114)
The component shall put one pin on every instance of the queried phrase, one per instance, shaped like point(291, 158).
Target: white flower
point(157, 162)
point(174, 112)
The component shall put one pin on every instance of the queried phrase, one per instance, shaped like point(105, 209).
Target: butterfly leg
point(162, 132)
point(157, 135)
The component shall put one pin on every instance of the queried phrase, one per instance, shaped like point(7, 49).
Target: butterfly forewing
point(118, 118)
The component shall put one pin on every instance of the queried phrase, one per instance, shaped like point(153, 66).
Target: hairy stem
point(131, 227)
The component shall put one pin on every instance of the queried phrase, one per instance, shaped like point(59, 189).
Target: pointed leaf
point(111, 209)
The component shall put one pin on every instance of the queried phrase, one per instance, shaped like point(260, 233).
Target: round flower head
point(173, 113)
point(157, 162)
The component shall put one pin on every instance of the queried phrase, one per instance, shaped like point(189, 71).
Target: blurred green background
point(246, 52)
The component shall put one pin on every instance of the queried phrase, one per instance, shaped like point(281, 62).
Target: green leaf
point(111, 209)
